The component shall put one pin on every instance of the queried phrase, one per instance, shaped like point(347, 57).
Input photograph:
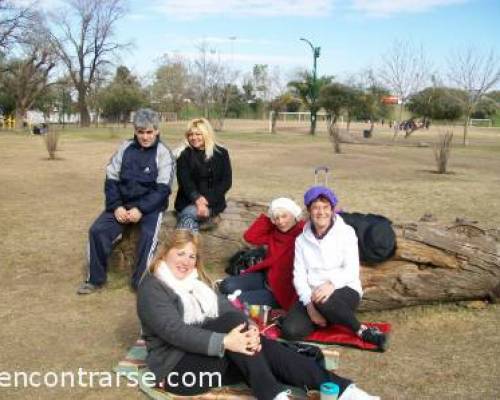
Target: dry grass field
point(46, 207)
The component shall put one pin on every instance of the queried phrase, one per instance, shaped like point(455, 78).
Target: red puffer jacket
point(279, 258)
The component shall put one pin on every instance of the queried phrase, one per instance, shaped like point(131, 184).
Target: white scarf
point(198, 299)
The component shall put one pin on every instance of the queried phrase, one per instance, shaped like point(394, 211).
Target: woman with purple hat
point(326, 273)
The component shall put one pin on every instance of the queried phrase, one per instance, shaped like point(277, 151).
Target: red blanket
point(334, 334)
point(339, 334)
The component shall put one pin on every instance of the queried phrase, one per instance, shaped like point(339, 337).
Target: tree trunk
point(274, 119)
point(312, 131)
point(333, 130)
point(433, 262)
point(83, 109)
point(20, 113)
point(466, 129)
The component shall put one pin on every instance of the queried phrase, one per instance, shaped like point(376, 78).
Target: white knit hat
point(284, 203)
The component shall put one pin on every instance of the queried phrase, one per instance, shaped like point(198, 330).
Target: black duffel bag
point(376, 238)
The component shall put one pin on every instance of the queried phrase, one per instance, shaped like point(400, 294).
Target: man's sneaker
point(375, 336)
point(87, 288)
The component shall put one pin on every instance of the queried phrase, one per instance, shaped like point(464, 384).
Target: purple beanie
point(319, 191)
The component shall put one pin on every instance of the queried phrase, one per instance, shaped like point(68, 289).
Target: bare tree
point(442, 151)
point(223, 91)
point(85, 43)
point(475, 72)
point(215, 84)
point(14, 20)
point(172, 84)
point(204, 71)
point(26, 75)
point(404, 70)
point(51, 141)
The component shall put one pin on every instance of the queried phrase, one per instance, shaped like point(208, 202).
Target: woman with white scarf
point(190, 330)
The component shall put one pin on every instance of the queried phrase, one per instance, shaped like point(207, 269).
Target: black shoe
point(376, 337)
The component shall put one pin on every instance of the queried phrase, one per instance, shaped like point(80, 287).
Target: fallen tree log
point(433, 262)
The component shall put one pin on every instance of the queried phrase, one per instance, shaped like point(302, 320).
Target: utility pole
point(314, 87)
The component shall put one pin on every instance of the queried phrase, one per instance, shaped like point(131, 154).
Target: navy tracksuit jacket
point(135, 177)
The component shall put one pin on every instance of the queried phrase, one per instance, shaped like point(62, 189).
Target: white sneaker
point(283, 395)
point(354, 393)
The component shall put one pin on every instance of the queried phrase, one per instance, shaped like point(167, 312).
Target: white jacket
point(334, 258)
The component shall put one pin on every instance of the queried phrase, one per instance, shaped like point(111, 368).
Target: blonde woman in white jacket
point(326, 273)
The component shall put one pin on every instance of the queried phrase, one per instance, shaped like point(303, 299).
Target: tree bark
point(433, 262)
point(312, 130)
point(466, 130)
point(274, 120)
point(20, 113)
point(83, 109)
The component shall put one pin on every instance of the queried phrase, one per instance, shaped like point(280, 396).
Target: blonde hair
point(201, 125)
point(178, 240)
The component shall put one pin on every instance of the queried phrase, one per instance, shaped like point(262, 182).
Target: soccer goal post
point(289, 118)
point(480, 122)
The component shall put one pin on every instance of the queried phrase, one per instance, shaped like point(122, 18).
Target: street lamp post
point(314, 88)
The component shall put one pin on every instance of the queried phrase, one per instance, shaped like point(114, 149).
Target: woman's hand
point(315, 316)
point(201, 204)
point(242, 340)
point(322, 292)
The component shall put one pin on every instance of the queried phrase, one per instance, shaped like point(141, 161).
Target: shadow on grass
point(434, 172)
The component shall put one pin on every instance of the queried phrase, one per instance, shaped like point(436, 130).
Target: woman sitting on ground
point(203, 176)
point(190, 329)
point(270, 281)
point(326, 273)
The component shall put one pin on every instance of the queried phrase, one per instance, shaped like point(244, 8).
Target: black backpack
point(376, 238)
point(244, 259)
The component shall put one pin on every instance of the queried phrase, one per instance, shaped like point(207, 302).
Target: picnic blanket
point(333, 334)
point(135, 363)
point(341, 335)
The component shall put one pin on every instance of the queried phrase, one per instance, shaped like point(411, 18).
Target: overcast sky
point(352, 34)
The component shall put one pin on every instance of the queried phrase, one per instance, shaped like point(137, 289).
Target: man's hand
point(134, 215)
point(121, 215)
point(315, 316)
point(322, 292)
point(202, 207)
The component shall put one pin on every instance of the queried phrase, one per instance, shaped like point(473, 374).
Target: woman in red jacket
point(270, 281)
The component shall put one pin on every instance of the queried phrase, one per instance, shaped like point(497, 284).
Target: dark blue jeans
point(253, 287)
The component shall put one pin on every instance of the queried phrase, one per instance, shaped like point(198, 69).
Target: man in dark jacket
point(138, 184)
